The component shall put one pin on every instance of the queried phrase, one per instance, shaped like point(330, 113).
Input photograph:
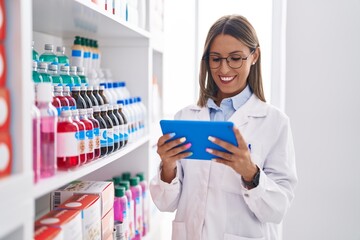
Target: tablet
point(197, 133)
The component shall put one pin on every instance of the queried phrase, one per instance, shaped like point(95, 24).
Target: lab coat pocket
point(234, 237)
point(178, 230)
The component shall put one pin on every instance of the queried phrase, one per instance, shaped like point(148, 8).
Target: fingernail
point(211, 138)
point(190, 153)
point(209, 150)
point(188, 145)
point(172, 135)
point(183, 139)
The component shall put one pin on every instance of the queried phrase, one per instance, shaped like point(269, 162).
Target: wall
point(323, 102)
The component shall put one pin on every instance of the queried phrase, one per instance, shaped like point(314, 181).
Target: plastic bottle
point(110, 88)
point(98, 55)
point(121, 125)
point(105, 91)
point(125, 90)
point(83, 93)
point(87, 54)
point(110, 129)
point(129, 118)
point(48, 128)
point(130, 207)
point(101, 93)
point(72, 101)
point(96, 124)
point(144, 189)
point(65, 76)
point(103, 131)
point(77, 52)
point(73, 74)
point(36, 76)
point(143, 109)
point(81, 73)
point(97, 96)
point(80, 136)
point(35, 54)
point(75, 93)
point(55, 102)
point(35, 113)
point(125, 129)
point(67, 143)
point(90, 94)
point(64, 102)
point(135, 116)
point(60, 53)
point(116, 126)
point(42, 69)
point(89, 135)
point(54, 73)
point(49, 56)
point(137, 198)
point(120, 205)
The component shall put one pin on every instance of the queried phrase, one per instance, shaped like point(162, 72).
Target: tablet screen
point(197, 133)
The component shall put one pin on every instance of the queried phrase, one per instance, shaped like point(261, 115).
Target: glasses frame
point(227, 61)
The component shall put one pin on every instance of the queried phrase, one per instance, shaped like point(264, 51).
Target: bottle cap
point(53, 67)
point(73, 69)
point(102, 87)
point(117, 180)
point(126, 175)
point(60, 49)
point(58, 88)
point(49, 46)
point(66, 113)
point(90, 88)
point(42, 65)
point(90, 110)
point(64, 68)
point(103, 108)
point(34, 65)
point(110, 107)
point(96, 88)
point(119, 191)
point(141, 176)
point(134, 181)
point(75, 88)
point(43, 92)
point(66, 89)
point(125, 184)
point(83, 111)
point(96, 108)
point(83, 88)
point(80, 70)
point(75, 112)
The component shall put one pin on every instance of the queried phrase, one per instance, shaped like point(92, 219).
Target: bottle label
point(110, 137)
point(96, 138)
point(67, 144)
point(89, 142)
point(86, 54)
point(116, 134)
point(103, 137)
point(76, 53)
point(126, 132)
point(80, 136)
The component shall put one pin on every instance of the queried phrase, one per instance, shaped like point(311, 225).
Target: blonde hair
point(240, 28)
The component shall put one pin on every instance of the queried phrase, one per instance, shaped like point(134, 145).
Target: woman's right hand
point(170, 152)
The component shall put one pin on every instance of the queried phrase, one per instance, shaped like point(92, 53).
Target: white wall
point(323, 102)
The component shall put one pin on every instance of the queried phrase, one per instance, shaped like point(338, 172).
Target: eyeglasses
point(234, 61)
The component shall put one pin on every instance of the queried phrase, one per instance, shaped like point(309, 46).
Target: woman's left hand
point(238, 157)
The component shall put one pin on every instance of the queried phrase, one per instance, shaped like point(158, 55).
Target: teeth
point(226, 78)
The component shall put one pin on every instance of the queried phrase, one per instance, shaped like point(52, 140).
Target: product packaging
point(90, 208)
point(5, 154)
point(69, 221)
point(5, 110)
point(107, 225)
point(105, 190)
point(45, 232)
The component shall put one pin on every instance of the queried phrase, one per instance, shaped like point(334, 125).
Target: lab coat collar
point(254, 107)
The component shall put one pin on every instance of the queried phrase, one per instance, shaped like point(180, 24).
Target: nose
point(224, 66)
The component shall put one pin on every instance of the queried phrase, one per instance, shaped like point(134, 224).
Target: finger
point(179, 156)
point(219, 160)
point(177, 150)
point(170, 145)
point(164, 138)
point(228, 146)
point(223, 155)
point(239, 138)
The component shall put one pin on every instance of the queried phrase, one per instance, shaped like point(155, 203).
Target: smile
point(226, 79)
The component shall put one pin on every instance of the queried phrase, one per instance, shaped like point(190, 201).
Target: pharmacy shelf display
point(127, 50)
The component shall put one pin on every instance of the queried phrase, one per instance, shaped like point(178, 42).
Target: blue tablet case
point(197, 133)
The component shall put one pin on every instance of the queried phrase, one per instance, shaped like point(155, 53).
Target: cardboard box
point(90, 208)
point(69, 221)
point(105, 190)
point(48, 233)
point(2, 20)
point(5, 110)
point(107, 225)
point(5, 154)
point(2, 66)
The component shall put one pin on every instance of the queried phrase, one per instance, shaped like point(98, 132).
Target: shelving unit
point(133, 55)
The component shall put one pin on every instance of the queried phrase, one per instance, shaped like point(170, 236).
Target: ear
point(255, 55)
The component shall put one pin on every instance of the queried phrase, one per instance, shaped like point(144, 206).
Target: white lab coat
point(210, 198)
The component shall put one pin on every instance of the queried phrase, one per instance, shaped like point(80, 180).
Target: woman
point(243, 194)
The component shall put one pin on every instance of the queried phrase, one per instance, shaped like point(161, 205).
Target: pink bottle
point(67, 143)
point(128, 194)
point(36, 142)
point(89, 135)
point(144, 190)
point(58, 93)
point(121, 209)
point(137, 198)
point(72, 101)
point(48, 129)
point(80, 136)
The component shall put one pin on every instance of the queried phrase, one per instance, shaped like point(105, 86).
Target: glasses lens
point(214, 61)
point(233, 61)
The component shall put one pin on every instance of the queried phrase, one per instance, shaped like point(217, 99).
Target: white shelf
point(13, 192)
point(61, 178)
point(81, 17)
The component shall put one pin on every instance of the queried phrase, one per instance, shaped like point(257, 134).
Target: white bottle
point(129, 117)
point(115, 95)
point(107, 94)
point(125, 89)
point(137, 116)
point(143, 113)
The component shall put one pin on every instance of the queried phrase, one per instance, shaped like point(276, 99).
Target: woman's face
point(230, 81)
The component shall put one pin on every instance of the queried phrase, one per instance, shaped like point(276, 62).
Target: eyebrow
point(237, 51)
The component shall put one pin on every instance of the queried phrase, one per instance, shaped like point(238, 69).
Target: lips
point(226, 79)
